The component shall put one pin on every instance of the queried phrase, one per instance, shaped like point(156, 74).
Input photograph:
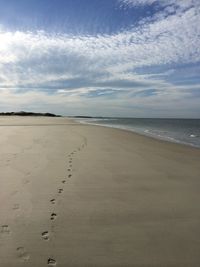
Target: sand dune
point(82, 195)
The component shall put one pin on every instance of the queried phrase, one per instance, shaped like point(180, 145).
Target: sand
point(81, 195)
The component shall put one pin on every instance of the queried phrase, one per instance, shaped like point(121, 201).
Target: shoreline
point(112, 197)
point(151, 136)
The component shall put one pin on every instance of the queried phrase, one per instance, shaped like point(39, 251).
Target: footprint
point(63, 181)
point(5, 229)
point(45, 235)
point(69, 170)
point(70, 175)
point(53, 216)
point(53, 201)
point(16, 207)
point(60, 190)
point(23, 255)
point(51, 262)
point(14, 193)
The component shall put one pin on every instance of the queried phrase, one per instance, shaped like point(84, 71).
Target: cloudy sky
point(135, 58)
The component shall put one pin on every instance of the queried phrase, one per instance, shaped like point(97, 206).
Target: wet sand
point(81, 195)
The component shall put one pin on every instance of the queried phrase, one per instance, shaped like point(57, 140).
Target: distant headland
point(24, 113)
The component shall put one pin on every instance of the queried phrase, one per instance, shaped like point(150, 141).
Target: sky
point(124, 58)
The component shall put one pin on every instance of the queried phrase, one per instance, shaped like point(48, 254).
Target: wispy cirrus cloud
point(27, 55)
point(59, 69)
point(178, 3)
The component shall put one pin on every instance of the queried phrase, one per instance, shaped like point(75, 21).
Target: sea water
point(185, 131)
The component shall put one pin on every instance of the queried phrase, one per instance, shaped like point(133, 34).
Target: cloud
point(132, 3)
point(171, 103)
point(177, 3)
point(58, 69)
point(31, 58)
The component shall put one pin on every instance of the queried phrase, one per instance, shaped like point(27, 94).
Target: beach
point(80, 195)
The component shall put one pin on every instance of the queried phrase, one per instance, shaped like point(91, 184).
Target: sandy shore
point(92, 196)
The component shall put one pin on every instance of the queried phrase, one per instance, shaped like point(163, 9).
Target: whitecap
point(193, 136)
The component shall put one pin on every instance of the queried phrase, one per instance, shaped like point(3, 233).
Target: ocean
point(185, 131)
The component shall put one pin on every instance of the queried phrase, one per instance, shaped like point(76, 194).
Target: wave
point(176, 131)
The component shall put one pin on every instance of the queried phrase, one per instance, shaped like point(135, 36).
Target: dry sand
point(92, 196)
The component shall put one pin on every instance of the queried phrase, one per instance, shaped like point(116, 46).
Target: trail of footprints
point(4, 229)
point(53, 216)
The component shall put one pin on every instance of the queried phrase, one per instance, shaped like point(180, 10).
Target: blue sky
point(135, 58)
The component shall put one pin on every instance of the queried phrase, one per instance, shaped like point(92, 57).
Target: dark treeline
point(23, 113)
